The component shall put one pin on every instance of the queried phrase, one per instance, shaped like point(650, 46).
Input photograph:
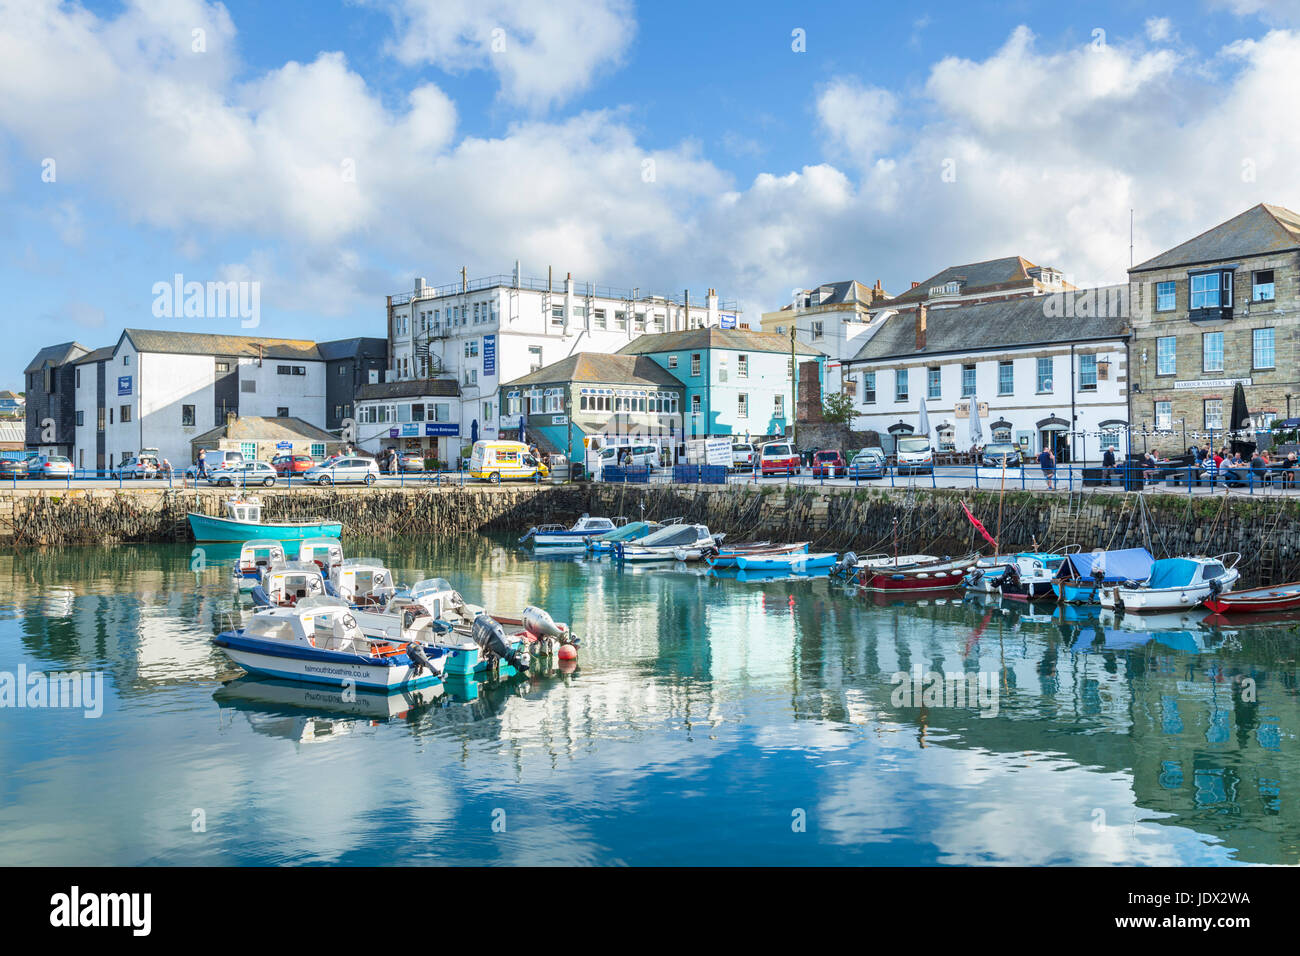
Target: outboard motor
point(260, 597)
point(846, 563)
point(419, 659)
point(1216, 587)
point(491, 639)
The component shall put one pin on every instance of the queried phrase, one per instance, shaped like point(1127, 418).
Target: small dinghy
point(729, 557)
point(944, 576)
point(256, 557)
point(1279, 597)
point(557, 535)
point(679, 542)
point(320, 642)
point(851, 566)
point(796, 563)
point(1175, 583)
point(244, 522)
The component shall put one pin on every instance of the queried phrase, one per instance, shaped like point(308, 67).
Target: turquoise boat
point(243, 522)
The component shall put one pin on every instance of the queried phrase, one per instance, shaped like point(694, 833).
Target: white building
point(1045, 369)
point(836, 318)
point(482, 332)
point(158, 389)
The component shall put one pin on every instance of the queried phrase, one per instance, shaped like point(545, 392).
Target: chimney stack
point(915, 284)
point(920, 326)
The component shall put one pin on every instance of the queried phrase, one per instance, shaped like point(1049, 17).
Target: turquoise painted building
point(737, 382)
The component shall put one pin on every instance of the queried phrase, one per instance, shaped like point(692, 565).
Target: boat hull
point(796, 563)
point(323, 667)
point(207, 528)
point(939, 580)
point(1077, 592)
point(1284, 597)
point(1158, 599)
point(731, 558)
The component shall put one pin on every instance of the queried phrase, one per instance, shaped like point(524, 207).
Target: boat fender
point(538, 622)
point(567, 652)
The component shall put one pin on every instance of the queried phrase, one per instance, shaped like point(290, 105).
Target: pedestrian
point(1047, 462)
point(203, 463)
point(1107, 465)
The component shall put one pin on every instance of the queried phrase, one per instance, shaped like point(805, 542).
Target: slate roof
point(59, 354)
point(350, 348)
point(257, 428)
point(980, 327)
point(98, 355)
point(1260, 230)
point(606, 369)
point(735, 340)
point(990, 275)
point(204, 343)
point(411, 388)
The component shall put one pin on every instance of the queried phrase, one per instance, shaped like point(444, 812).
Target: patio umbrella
point(976, 431)
point(1237, 423)
point(923, 420)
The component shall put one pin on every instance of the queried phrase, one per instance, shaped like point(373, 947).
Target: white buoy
point(537, 621)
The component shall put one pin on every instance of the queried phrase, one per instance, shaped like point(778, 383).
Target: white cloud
point(1270, 11)
point(544, 53)
point(857, 118)
point(1159, 29)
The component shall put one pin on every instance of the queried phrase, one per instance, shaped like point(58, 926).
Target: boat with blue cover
point(1083, 575)
point(319, 641)
point(243, 522)
point(632, 531)
point(1175, 583)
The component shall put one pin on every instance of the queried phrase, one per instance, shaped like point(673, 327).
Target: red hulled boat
point(1280, 597)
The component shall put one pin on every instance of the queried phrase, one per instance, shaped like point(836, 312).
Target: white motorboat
point(256, 557)
point(1175, 583)
point(327, 553)
point(319, 641)
point(288, 584)
point(557, 535)
point(678, 542)
point(362, 581)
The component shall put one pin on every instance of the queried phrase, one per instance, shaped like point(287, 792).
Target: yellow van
point(494, 460)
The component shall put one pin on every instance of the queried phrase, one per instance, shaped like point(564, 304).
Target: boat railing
point(1223, 559)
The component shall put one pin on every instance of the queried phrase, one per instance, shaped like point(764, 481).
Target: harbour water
point(708, 721)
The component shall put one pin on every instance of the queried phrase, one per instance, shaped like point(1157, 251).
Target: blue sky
point(481, 132)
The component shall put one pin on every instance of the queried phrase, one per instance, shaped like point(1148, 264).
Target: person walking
point(1047, 462)
point(1107, 465)
point(203, 463)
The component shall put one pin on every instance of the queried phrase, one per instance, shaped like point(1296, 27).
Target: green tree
point(838, 408)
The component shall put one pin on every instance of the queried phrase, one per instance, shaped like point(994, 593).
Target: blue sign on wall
point(443, 429)
point(124, 385)
point(284, 446)
point(728, 321)
point(489, 355)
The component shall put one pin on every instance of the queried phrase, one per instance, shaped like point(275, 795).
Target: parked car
point(869, 463)
point(13, 468)
point(49, 466)
point(243, 473)
point(286, 465)
point(410, 462)
point(351, 469)
point(141, 466)
point(742, 456)
point(828, 464)
point(214, 459)
point(779, 457)
point(913, 454)
point(994, 452)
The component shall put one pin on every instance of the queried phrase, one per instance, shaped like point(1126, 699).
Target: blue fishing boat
point(1083, 574)
point(730, 555)
point(243, 522)
point(798, 563)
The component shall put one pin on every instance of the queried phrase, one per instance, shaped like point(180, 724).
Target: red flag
point(978, 525)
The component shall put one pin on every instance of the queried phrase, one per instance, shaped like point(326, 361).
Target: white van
point(641, 455)
point(914, 455)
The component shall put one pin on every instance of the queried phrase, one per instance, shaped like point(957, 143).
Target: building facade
point(418, 415)
point(1221, 308)
point(483, 332)
point(834, 318)
point(736, 381)
point(1038, 370)
point(51, 399)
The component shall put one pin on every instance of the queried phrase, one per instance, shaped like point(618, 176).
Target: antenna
point(1130, 237)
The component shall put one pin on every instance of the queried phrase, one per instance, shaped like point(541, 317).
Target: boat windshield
point(269, 628)
point(429, 586)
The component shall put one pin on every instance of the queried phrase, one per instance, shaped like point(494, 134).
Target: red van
point(778, 458)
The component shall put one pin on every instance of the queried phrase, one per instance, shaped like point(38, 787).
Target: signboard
point(489, 355)
point(284, 446)
point(709, 451)
point(728, 322)
point(962, 409)
point(1211, 383)
point(124, 385)
point(411, 431)
point(444, 428)
point(559, 419)
point(394, 432)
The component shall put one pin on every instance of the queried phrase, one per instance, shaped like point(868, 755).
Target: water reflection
point(704, 710)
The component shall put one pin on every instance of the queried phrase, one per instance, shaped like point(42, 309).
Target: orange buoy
point(567, 652)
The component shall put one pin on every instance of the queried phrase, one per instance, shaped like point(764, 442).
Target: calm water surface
point(708, 721)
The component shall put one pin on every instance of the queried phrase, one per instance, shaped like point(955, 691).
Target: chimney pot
point(915, 284)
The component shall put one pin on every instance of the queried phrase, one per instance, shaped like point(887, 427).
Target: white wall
point(83, 452)
point(303, 395)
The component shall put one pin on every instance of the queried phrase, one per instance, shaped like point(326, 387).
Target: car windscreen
point(777, 451)
point(913, 444)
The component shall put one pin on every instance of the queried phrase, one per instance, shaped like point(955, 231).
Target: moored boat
point(557, 535)
point(728, 557)
point(794, 563)
point(1175, 583)
point(362, 581)
point(632, 531)
point(255, 558)
point(1278, 597)
point(1083, 575)
point(325, 553)
point(243, 522)
point(679, 542)
point(1029, 576)
point(321, 642)
point(941, 576)
point(286, 585)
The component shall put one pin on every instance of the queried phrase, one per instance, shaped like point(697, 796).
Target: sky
point(327, 154)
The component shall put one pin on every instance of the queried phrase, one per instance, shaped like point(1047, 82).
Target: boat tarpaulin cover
point(673, 536)
point(1130, 564)
point(629, 531)
point(1172, 573)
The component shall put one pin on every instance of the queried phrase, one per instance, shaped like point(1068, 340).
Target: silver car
point(351, 469)
point(243, 473)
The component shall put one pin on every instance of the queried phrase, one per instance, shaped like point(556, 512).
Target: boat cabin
point(326, 553)
point(285, 586)
point(259, 555)
point(324, 623)
point(362, 581)
point(247, 510)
